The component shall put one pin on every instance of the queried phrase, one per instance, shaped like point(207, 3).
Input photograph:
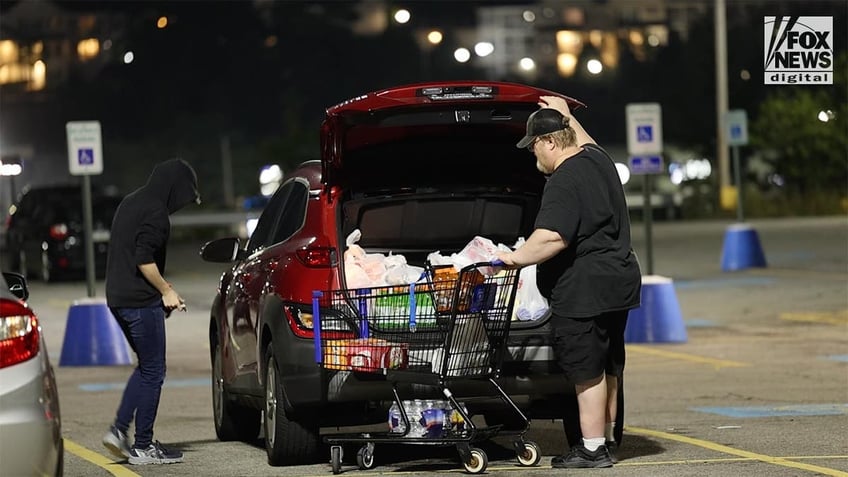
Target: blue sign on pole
point(640, 165)
point(736, 127)
point(644, 133)
point(85, 156)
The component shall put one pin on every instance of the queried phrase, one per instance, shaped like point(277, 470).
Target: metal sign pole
point(737, 178)
point(85, 157)
point(648, 213)
point(89, 242)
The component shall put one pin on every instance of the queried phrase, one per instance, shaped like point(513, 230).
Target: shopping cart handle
point(497, 263)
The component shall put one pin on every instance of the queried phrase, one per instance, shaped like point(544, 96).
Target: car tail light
point(59, 231)
point(19, 338)
point(317, 257)
point(301, 322)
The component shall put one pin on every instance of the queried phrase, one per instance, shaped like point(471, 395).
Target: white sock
point(609, 432)
point(593, 443)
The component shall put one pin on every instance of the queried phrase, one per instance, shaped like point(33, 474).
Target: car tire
point(232, 422)
point(60, 459)
point(287, 440)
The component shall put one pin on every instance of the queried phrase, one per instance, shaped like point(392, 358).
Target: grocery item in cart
point(433, 419)
point(445, 279)
point(393, 306)
point(469, 349)
point(365, 354)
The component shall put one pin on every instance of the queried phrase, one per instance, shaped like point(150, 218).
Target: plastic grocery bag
point(363, 270)
point(529, 302)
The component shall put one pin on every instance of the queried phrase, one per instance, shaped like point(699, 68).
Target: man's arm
point(555, 102)
point(170, 298)
point(540, 246)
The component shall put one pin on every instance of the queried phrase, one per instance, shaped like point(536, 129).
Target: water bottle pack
point(427, 418)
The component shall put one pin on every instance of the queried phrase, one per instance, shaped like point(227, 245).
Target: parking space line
point(832, 318)
point(103, 462)
point(717, 363)
point(781, 461)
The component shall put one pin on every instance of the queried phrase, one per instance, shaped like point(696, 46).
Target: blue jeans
point(145, 332)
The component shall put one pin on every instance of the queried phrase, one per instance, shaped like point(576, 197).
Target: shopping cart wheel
point(365, 457)
point(336, 459)
point(477, 461)
point(529, 456)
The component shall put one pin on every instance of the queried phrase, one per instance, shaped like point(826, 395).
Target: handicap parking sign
point(85, 147)
point(85, 156)
point(644, 129)
point(736, 127)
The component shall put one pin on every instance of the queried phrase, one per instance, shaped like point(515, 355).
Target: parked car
point(417, 169)
point(45, 233)
point(30, 422)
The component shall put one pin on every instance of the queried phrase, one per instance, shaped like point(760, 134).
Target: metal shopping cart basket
point(450, 326)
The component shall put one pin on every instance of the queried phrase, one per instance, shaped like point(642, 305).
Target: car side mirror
point(223, 250)
point(17, 284)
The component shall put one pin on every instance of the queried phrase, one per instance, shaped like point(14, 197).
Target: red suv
point(417, 169)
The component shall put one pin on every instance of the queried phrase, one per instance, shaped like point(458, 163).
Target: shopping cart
point(450, 326)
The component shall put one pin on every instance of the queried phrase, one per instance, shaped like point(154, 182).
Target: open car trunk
point(425, 168)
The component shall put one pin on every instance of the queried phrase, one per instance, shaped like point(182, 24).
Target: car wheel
point(287, 440)
point(232, 422)
point(60, 460)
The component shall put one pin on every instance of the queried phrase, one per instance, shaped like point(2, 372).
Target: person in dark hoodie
point(140, 299)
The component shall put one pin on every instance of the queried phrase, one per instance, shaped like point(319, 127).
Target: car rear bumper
point(29, 425)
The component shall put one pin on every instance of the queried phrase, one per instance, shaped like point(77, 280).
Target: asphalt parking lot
point(759, 387)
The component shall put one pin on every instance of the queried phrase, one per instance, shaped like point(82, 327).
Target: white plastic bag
point(481, 249)
point(529, 302)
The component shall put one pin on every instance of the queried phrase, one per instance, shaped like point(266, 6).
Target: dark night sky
point(208, 74)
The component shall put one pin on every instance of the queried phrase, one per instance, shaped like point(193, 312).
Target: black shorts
point(586, 347)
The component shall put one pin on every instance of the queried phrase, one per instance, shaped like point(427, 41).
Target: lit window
point(88, 48)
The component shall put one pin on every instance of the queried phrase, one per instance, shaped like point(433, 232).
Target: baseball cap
point(541, 122)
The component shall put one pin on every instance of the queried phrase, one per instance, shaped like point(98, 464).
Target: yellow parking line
point(717, 363)
point(738, 452)
point(832, 318)
point(106, 463)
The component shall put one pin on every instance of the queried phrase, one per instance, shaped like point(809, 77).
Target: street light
point(11, 166)
point(402, 16)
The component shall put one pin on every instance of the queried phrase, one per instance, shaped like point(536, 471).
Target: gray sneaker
point(155, 453)
point(117, 442)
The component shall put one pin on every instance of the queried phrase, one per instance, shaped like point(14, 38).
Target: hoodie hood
point(176, 182)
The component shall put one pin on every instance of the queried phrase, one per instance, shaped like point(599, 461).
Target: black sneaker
point(117, 442)
point(581, 458)
point(155, 453)
point(612, 448)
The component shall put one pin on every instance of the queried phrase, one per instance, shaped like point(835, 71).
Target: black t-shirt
point(598, 272)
